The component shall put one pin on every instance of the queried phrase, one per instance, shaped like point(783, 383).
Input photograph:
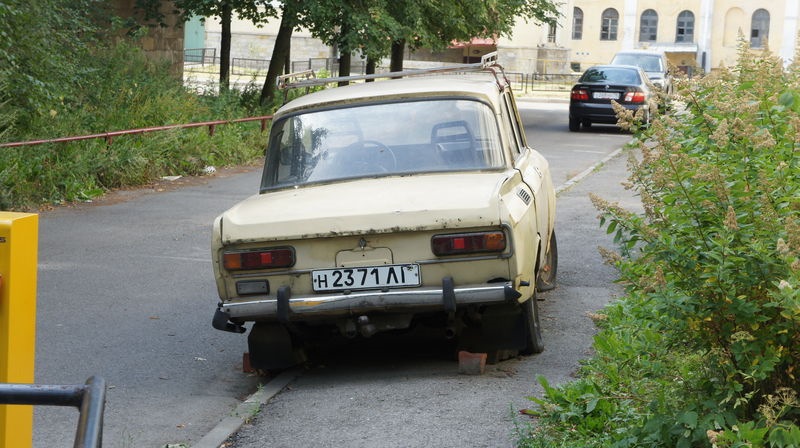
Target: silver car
point(654, 63)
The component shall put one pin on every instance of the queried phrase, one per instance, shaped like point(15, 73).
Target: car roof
point(614, 66)
point(482, 86)
point(646, 52)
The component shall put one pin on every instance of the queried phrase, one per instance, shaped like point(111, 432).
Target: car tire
point(548, 269)
point(272, 348)
point(533, 329)
point(586, 124)
point(574, 124)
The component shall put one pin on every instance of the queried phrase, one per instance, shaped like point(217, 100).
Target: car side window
point(513, 122)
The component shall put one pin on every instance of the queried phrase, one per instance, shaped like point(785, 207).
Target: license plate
point(366, 277)
point(605, 95)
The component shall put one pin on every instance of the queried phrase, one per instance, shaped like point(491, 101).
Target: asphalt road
point(126, 292)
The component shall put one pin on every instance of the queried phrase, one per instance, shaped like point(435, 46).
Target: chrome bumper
point(286, 308)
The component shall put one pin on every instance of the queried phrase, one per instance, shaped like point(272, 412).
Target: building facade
point(696, 35)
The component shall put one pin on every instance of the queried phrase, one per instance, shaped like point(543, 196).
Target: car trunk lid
point(603, 93)
point(366, 206)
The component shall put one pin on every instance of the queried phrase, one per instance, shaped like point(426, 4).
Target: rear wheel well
point(538, 263)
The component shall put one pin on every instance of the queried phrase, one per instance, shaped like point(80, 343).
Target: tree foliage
point(257, 11)
point(44, 53)
point(379, 28)
point(372, 27)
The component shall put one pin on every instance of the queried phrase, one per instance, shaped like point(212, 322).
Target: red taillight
point(258, 259)
point(634, 97)
point(468, 243)
point(580, 94)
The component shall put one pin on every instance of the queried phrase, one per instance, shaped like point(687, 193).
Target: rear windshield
point(647, 62)
point(386, 139)
point(611, 75)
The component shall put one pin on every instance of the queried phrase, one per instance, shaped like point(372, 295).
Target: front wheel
point(533, 329)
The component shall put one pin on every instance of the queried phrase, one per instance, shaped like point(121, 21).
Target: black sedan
point(590, 99)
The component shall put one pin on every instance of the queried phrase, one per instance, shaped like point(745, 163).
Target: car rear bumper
point(598, 112)
point(286, 308)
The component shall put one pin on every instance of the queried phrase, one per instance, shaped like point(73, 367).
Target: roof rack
point(488, 64)
point(305, 75)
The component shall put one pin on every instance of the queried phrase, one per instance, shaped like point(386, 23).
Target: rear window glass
point(611, 75)
point(386, 139)
point(647, 62)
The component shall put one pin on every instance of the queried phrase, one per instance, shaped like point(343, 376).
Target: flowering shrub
point(704, 349)
point(717, 252)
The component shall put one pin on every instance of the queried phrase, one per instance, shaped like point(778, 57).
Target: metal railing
point(244, 66)
point(109, 136)
point(552, 82)
point(550, 75)
point(90, 399)
point(200, 56)
point(521, 81)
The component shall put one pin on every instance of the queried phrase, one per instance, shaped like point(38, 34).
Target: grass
point(133, 93)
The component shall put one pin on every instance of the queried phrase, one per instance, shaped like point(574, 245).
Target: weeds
point(124, 91)
point(705, 347)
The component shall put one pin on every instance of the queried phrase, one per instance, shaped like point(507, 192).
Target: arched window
point(648, 26)
point(577, 23)
point(759, 28)
point(685, 29)
point(608, 25)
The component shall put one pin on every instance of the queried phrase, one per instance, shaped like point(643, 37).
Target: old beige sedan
point(386, 205)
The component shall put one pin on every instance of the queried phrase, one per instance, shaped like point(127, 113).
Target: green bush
point(124, 91)
point(705, 347)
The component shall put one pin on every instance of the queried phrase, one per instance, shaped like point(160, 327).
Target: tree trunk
point(225, 48)
point(370, 69)
point(344, 67)
point(398, 50)
point(345, 52)
point(280, 56)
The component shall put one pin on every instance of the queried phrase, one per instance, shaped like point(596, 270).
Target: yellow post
point(19, 236)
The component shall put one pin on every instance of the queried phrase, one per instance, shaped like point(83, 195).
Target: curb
point(246, 411)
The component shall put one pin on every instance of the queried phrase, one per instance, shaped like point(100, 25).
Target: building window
point(685, 31)
point(648, 26)
point(759, 29)
point(577, 23)
point(551, 32)
point(608, 25)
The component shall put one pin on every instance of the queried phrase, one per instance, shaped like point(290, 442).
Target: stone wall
point(538, 60)
point(259, 46)
point(160, 43)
